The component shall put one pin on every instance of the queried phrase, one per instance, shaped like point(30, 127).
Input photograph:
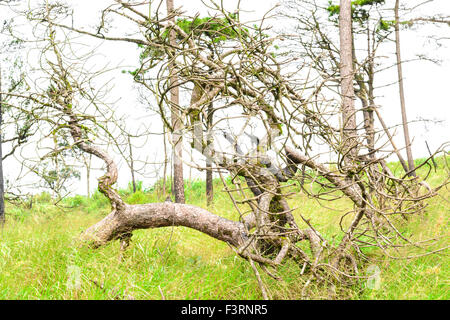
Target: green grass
point(40, 259)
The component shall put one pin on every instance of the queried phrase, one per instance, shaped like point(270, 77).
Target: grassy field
point(39, 258)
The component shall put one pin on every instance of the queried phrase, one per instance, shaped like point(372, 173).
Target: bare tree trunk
point(370, 113)
point(166, 160)
point(157, 215)
point(88, 164)
point(177, 138)
point(89, 176)
point(209, 174)
point(365, 97)
point(402, 93)
point(209, 183)
point(133, 181)
point(349, 134)
point(2, 190)
point(391, 139)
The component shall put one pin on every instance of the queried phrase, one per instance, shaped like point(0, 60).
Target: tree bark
point(345, 184)
point(402, 93)
point(177, 138)
point(166, 214)
point(349, 134)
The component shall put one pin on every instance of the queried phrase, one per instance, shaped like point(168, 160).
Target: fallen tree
point(244, 75)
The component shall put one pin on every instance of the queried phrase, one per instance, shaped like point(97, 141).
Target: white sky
point(427, 85)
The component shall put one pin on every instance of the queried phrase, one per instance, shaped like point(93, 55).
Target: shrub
point(78, 201)
point(43, 197)
point(137, 198)
point(97, 201)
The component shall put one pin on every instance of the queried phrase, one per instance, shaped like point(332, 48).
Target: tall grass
point(40, 257)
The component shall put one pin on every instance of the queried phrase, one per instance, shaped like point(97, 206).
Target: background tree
point(177, 137)
point(411, 167)
point(16, 127)
point(131, 164)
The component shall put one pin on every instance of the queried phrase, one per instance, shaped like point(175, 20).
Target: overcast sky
point(427, 85)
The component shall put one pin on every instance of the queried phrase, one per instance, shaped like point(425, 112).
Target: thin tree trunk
point(88, 164)
point(363, 95)
point(366, 97)
point(133, 181)
point(166, 160)
point(370, 92)
point(391, 139)
point(2, 190)
point(191, 151)
point(431, 155)
point(177, 138)
point(402, 93)
point(209, 183)
point(349, 134)
point(209, 173)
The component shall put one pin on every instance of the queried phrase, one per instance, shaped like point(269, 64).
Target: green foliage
point(77, 201)
point(194, 189)
point(130, 187)
point(210, 30)
point(359, 11)
point(97, 202)
point(138, 197)
point(385, 25)
point(367, 2)
point(158, 186)
point(333, 9)
point(214, 29)
point(43, 197)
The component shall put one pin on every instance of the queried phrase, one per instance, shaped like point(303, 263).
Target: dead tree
point(248, 85)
